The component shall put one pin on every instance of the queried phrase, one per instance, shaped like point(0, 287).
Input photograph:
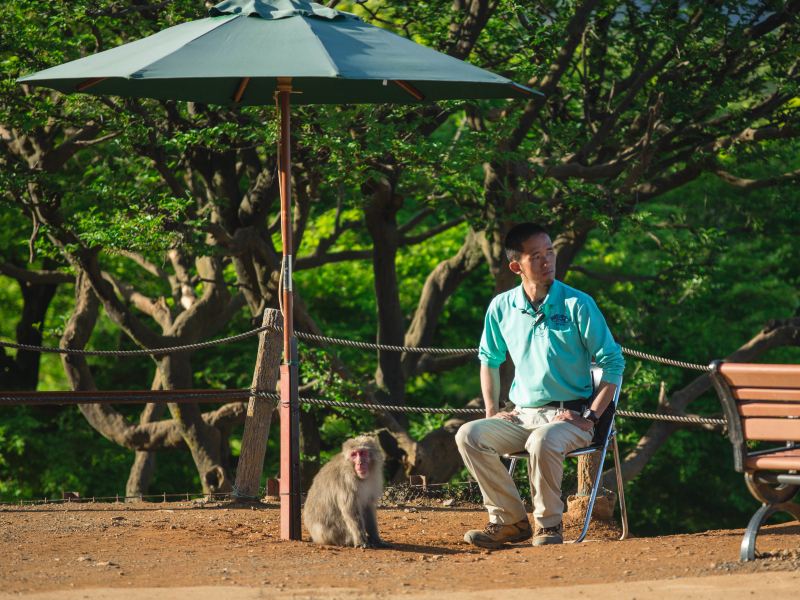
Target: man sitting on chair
point(552, 332)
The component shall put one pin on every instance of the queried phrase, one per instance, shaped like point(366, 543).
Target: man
point(552, 332)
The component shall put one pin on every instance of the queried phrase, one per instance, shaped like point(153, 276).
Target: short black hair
point(517, 235)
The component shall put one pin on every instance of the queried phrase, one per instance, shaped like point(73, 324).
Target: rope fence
point(319, 339)
point(133, 397)
point(451, 492)
point(143, 352)
point(216, 396)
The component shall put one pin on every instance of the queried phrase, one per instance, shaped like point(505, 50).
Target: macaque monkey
point(340, 507)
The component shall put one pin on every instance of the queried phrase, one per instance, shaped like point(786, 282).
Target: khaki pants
point(482, 442)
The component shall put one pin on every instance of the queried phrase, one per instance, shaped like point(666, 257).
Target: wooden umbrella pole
point(289, 410)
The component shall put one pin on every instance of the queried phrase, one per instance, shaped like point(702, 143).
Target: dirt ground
point(132, 551)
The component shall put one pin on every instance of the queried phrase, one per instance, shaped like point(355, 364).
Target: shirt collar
point(520, 301)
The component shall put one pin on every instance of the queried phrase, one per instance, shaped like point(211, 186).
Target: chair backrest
point(603, 427)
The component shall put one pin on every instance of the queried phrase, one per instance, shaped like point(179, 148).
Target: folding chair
point(604, 435)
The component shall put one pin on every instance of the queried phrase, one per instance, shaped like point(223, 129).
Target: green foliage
point(44, 451)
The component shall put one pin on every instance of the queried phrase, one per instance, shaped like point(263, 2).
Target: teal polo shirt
point(552, 348)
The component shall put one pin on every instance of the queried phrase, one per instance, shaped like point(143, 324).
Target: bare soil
point(215, 550)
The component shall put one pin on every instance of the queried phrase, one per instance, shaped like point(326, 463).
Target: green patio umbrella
point(238, 54)
point(249, 52)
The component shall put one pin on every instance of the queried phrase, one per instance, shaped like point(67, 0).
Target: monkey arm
point(371, 526)
point(353, 520)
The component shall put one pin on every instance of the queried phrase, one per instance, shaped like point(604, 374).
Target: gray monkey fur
point(340, 509)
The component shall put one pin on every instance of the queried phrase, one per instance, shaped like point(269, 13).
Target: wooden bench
point(762, 409)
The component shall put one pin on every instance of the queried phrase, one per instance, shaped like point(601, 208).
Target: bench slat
point(771, 430)
point(755, 375)
point(769, 409)
point(774, 394)
point(780, 461)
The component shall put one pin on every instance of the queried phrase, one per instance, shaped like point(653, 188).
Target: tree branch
point(442, 282)
point(310, 262)
point(749, 185)
point(415, 220)
point(35, 277)
point(612, 277)
point(155, 309)
point(412, 240)
point(140, 260)
point(549, 83)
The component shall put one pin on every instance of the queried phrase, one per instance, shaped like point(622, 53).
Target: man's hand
point(575, 418)
point(510, 416)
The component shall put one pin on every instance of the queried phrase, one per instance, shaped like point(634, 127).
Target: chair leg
point(511, 464)
point(623, 510)
point(595, 486)
point(748, 548)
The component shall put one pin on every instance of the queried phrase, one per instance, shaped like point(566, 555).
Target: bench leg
point(623, 510)
point(748, 548)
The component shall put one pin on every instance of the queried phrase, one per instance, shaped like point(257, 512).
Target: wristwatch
point(591, 415)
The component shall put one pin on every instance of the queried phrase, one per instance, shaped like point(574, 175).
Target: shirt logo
point(560, 322)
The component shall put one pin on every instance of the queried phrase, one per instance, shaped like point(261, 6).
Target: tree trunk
point(77, 332)
point(259, 410)
point(203, 441)
point(140, 475)
point(22, 373)
point(144, 461)
point(381, 218)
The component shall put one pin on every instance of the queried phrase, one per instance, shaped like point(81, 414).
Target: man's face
point(537, 262)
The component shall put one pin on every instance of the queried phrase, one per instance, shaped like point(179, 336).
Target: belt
point(576, 405)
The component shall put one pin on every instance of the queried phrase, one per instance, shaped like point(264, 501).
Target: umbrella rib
point(237, 97)
point(85, 85)
point(410, 89)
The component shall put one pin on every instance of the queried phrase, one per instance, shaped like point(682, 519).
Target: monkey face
point(360, 458)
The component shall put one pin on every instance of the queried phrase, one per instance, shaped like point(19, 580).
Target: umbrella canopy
point(237, 54)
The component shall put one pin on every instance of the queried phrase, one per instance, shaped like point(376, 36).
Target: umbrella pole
point(289, 409)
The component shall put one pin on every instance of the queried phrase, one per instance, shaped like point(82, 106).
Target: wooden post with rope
point(259, 410)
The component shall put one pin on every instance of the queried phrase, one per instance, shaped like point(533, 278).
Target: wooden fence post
point(259, 410)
